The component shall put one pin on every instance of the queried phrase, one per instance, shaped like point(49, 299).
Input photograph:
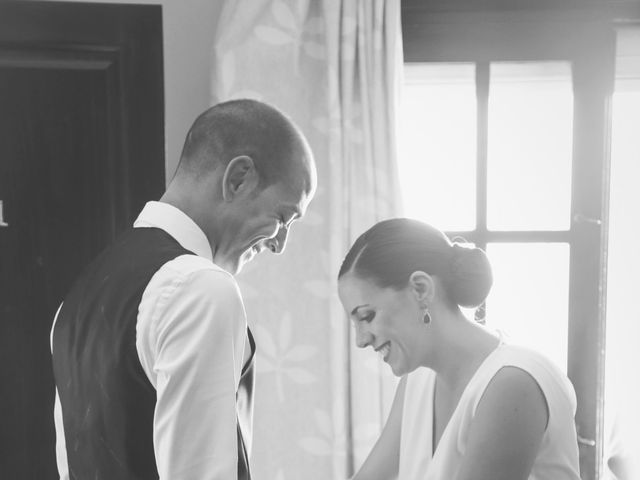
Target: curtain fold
point(333, 66)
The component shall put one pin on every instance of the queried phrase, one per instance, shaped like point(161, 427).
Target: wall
point(189, 29)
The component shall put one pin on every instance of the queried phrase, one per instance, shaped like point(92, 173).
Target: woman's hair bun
point(470, 276)
point(390, 251)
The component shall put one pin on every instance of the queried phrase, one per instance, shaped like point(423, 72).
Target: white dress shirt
point(191, 339)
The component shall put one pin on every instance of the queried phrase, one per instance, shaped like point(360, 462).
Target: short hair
point(390, 251)
point(243, 127)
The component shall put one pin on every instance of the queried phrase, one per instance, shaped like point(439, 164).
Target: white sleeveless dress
point(558, 455)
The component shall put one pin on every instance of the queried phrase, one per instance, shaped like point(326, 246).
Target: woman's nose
point(363, 337)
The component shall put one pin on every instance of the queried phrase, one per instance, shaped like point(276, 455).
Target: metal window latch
point(2, 222)
point(580, 218)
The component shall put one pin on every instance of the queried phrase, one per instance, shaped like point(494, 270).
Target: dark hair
point(390, 251)
point(243, 127)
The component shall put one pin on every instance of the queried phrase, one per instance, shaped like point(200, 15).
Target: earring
point(427, 316)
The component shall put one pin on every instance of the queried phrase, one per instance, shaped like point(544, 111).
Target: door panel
point(81, 150)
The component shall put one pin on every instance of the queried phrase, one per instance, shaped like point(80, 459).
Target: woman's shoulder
point(529, 360)
point(519, 354)
point(553, 382)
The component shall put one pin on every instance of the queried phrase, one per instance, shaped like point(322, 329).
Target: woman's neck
point(462, 347)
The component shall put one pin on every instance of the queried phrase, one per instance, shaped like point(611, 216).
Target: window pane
point(530, 146)
point(529, 299)
point(437, 144)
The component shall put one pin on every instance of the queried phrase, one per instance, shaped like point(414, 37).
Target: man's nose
point(279, 242)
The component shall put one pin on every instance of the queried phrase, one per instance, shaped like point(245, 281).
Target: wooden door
point(81, 150)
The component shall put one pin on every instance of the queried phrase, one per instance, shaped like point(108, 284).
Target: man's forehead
point(301, 169)
point(295, 201)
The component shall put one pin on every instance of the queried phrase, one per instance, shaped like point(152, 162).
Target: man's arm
point(194, 341)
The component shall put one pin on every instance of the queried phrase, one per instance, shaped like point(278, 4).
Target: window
point(438, 121)
point(504, 141)
point(528, 182)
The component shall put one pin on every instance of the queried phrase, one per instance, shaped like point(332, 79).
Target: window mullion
point(482, 140)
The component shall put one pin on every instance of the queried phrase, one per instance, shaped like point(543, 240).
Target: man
point(151, 352)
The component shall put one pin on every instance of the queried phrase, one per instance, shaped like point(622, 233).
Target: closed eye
point(368, 317)
point(283, 224)
point(287, 223)
point(288, 216)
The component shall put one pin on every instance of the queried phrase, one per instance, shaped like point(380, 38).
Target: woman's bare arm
point(507, 430)
point(383, 460)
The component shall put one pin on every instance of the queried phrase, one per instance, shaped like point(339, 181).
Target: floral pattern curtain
point(332, 66)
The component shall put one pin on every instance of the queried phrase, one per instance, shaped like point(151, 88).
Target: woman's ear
point(422, 287)
point(239, 176)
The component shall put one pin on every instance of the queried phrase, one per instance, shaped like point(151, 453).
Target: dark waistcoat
point(107, 400)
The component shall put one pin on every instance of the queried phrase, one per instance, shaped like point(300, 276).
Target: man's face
point(260, 223)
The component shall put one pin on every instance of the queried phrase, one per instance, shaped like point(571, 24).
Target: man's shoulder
point(190, 262)
point(189, 284)
point(191, 270)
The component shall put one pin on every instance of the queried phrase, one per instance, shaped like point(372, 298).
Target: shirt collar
point(177, 224)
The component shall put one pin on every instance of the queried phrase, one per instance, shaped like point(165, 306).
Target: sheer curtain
point(331, 65)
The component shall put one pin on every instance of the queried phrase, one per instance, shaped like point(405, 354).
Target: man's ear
point(422, 286)
point(239, 176)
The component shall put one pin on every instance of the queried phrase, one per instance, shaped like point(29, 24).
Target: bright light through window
point(529, 298)
point(530, 146)
point(528, 182)
point(437, 144)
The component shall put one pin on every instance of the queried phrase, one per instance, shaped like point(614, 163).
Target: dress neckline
point(485, 361)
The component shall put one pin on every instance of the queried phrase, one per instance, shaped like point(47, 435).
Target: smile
point(257, 245)
point(253, 251)
point(384, 350)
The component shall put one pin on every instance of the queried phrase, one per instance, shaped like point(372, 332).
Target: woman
point(481, 409)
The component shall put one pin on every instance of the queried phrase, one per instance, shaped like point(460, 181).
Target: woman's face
point(387, 320)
